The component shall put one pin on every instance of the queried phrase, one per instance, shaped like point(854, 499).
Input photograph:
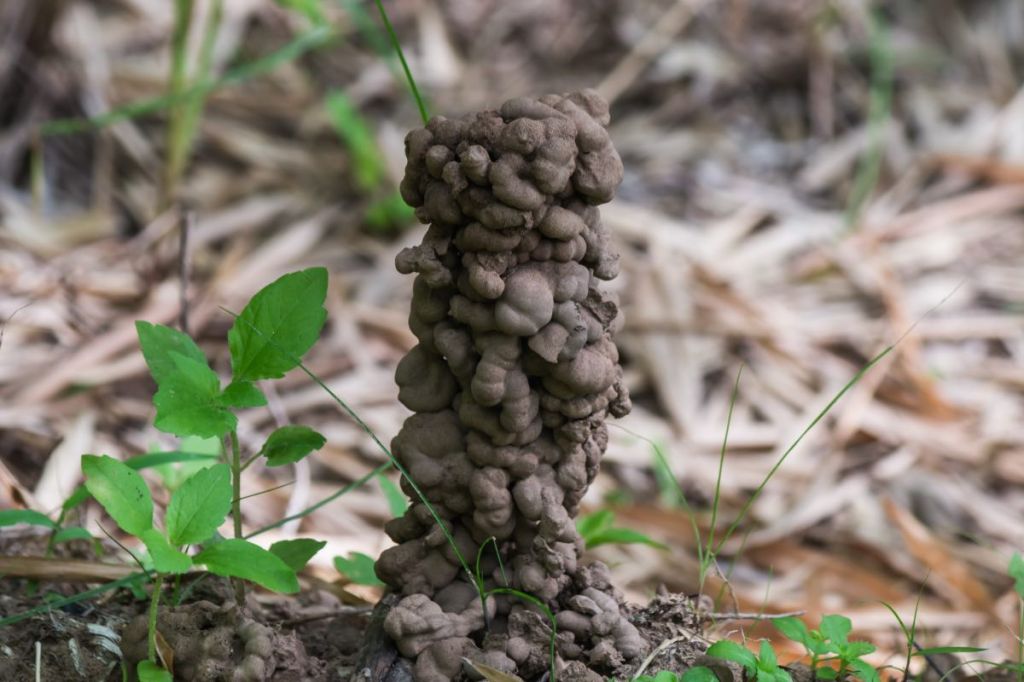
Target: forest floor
point(807, 183)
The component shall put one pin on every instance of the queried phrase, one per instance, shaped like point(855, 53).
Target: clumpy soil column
point(513, 378)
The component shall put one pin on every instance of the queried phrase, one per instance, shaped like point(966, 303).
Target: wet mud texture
point(512, 380)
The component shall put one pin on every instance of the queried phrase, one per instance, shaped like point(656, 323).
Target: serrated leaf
point(836, 628)
point(199, 506)
point(159, 342)
point(151, 672)
point(152, 459)
point(278, 326)
point(121, 491)
point(621, 536)
point(10, 517)
point(857, 649)
point(235, 558)
point(590, 524)
point(731, 651)
point(1016, 572)
point(697, 673)
point(242, 394)
point(296, 553)
point(166, 559)
point(290, 444)
point(358, 568)
point(398, 503)
point(864, 671)
point(188, 402)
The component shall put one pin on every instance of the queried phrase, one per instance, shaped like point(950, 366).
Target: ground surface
point(788, 208)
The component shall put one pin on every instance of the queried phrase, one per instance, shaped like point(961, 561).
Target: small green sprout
point(830, 643)
point(599, 528)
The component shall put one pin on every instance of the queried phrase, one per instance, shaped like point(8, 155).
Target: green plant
point(278, 325)
point(830, 643)
point(598, 529)
point(193, 515)
point(761, 667)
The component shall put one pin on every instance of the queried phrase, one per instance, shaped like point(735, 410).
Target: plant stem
point(154, 603)
point(236, 505)
point(405, 65)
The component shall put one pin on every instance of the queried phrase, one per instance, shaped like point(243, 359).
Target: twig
point(755, 616)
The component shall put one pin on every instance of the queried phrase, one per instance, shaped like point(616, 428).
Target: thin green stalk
point(405, 65)
point(327, 500)
point(126, 581)
point(814, 422)
point(154, 603)
point(718, 481)
point(236, 506)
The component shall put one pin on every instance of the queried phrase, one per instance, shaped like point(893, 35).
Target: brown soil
point(310, 637)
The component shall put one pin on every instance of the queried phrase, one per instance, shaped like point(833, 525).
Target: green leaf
point(151, 672)
point(199, 506)
point(1016, 572)
point(836, 628)
point(76, 533)
point(152, 459)
point(827, 673)
point(121, 491)
point(767, 660)
point(936, 650)
point(188, 402)
point(731, 651)
point(72, 533)
point(697, 673)
point(290, 444)
point(296, 553)
point(358, 568)
point(242, 394)
point(398, 503)
point(621, 536)
point(590, 524)
point(159, 342)
point(793, 629)
point(854, 650)
point(166, 559)
point(278, 326)
point(10, 517)
point(236, 558)
point(864, 671)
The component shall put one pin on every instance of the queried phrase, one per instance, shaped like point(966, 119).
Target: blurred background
point(808, 182)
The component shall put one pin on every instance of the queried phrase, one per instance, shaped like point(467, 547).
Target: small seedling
point(599, 528)
point(760, 667)
point(274, 330)
point(358, 568)
point(830, 644)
